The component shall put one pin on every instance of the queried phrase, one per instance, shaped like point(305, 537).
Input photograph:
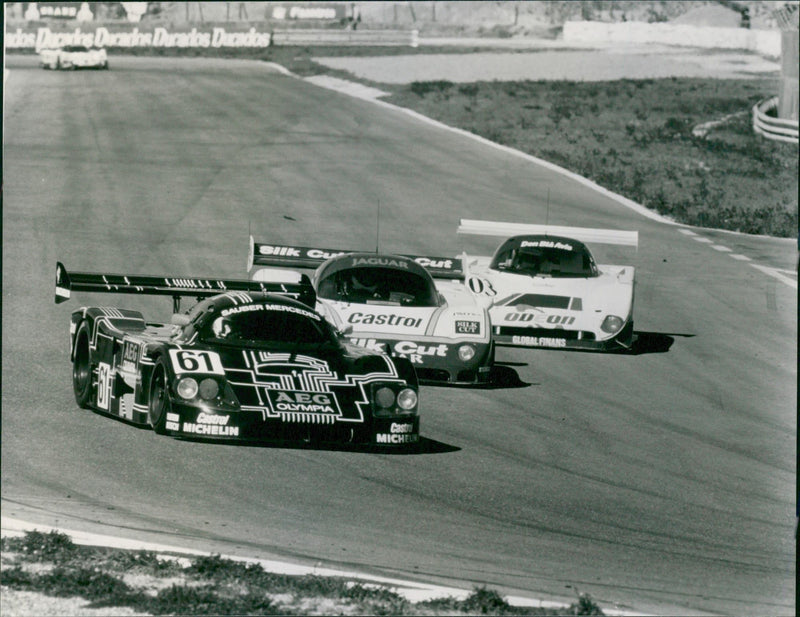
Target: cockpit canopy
point(263, 320)
point(366, 278)
point(552, 256)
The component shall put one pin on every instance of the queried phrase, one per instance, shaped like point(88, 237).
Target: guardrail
point(772, 127)
point(299, 36)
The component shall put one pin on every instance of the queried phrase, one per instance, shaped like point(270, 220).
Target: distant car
point(544, 288)
point(392, 301)
point(247, 362)
point(73, 57)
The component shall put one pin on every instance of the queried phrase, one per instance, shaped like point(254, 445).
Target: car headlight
point(407, 399)
point(187, 388)
point(466, 353)
point(384, 397)
point(209, 388)
point(612, 324)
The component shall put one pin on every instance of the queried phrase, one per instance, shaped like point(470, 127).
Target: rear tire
point(82, 371)
point(159, 404)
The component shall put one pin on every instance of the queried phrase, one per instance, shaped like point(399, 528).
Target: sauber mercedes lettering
point(393, 303)
point(252, 363)
point(544, 289)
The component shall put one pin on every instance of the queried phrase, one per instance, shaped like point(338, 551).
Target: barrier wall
point(765, 42)
point(771, 127)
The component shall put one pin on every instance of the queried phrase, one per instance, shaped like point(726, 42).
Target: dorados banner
point(127, 37)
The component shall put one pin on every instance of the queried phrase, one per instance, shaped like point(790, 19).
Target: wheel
point(160, 403)
point(105, 65)
point(82, 371)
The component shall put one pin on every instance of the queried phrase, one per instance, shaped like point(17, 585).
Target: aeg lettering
point(303, 402)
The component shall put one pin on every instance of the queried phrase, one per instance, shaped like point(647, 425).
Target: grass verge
point(51, 564)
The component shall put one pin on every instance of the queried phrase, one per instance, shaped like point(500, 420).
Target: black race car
point(247, 362)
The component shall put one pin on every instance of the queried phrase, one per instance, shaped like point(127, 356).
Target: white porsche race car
point(73, 57)
point(544, 289)
point(391, 303)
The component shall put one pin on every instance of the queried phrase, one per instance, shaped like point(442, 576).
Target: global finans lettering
point(538, 341)
point(384, 320)
point(211, 429)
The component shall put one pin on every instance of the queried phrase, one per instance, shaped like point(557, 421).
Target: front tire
point(82, 371)
point(160, 404)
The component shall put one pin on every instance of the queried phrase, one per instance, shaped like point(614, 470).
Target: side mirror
point(179, 319)
point(347, 330)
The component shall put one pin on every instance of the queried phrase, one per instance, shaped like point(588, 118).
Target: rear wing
point(283, 255)
point(67, 282)
point(582, 234)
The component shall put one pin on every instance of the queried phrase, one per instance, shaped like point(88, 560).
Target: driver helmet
point(221, 327)
point(364, 280)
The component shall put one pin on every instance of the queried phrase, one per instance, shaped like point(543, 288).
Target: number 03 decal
point(480, 286)
point(191, 361)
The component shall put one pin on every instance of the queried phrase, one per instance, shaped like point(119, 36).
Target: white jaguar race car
point(544, 289)
point(391, 303)
point(73, 57)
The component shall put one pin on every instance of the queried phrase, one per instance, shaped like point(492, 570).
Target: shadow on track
point(653, 342)
point(425, 446)
point(503, 376)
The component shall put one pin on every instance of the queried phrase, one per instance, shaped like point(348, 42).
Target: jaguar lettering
point(379, 261)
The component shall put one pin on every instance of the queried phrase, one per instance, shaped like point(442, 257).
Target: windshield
point(378, 286)
point(272, 325)
point(546, 261)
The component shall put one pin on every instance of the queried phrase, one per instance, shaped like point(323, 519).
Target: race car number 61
point(192, 361)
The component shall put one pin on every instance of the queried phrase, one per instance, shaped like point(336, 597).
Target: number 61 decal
point(480, 286)
point(191, 361)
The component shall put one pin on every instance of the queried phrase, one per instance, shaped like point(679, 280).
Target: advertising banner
point(307, 10)
point(126, 36)
point(57, 10)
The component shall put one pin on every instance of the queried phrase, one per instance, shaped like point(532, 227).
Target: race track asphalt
point(662, 481)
